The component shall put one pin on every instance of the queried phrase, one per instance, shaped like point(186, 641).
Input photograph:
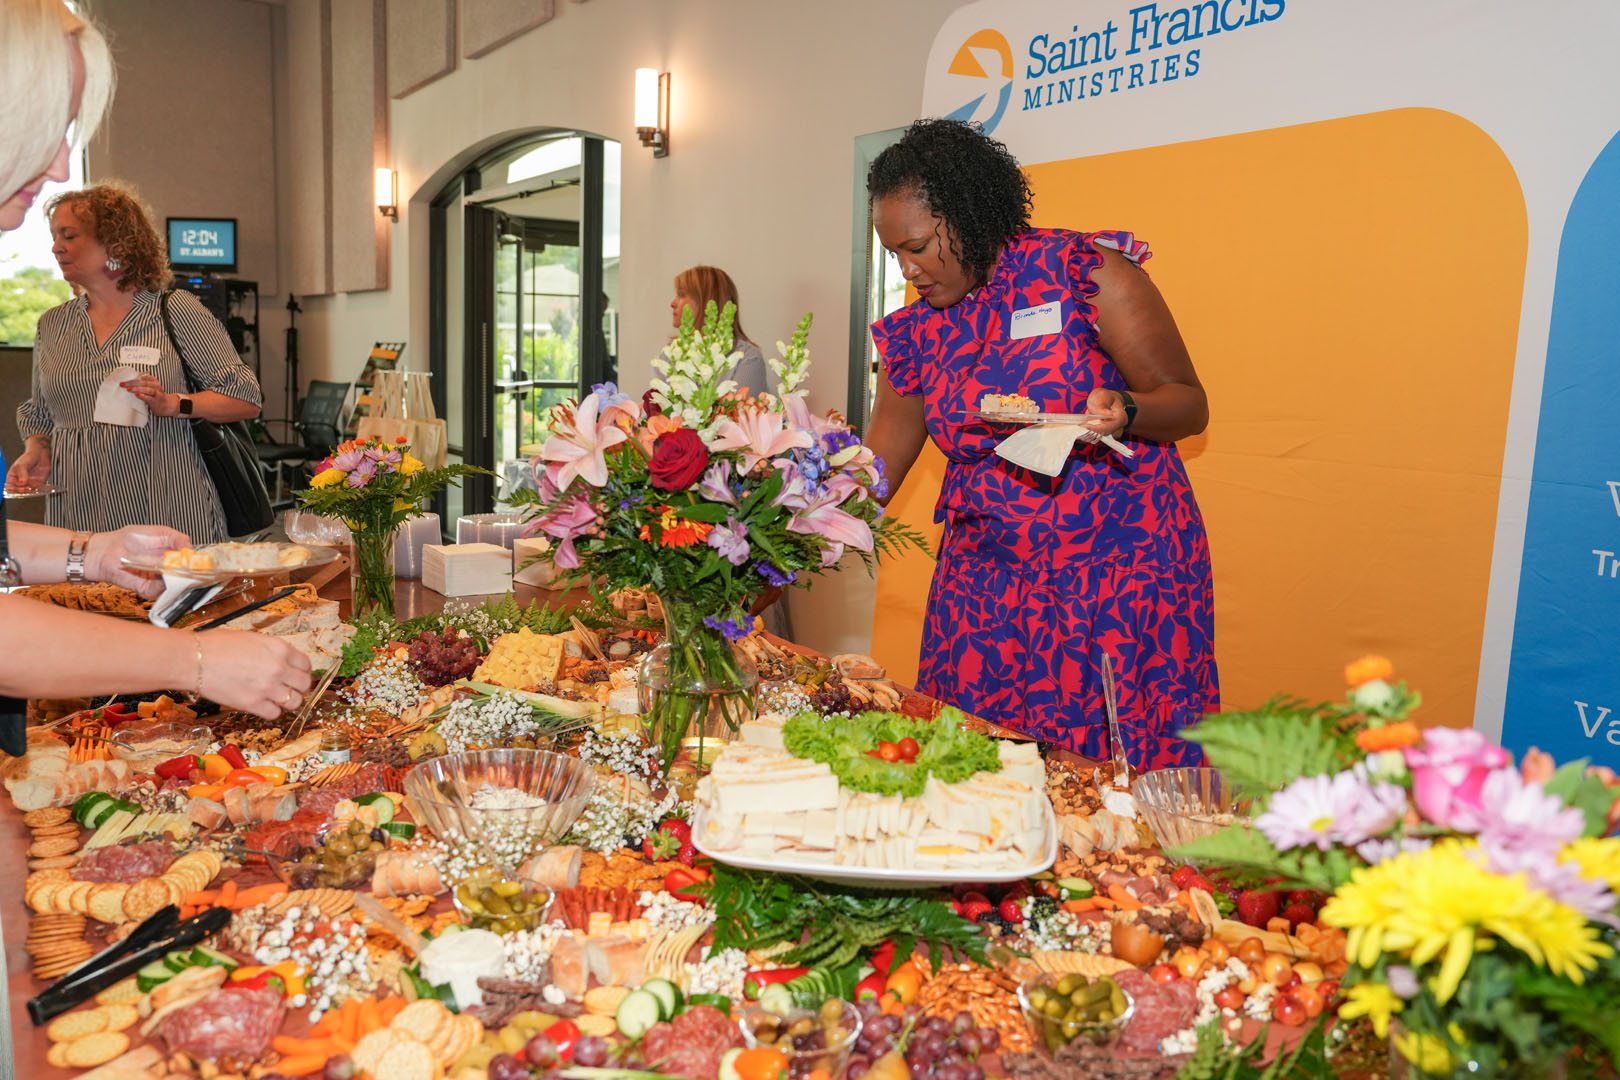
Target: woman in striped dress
point(113, 475)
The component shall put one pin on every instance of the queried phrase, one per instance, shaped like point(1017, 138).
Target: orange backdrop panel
point(1350, 293)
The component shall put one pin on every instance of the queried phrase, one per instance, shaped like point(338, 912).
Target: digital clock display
point(202, 243)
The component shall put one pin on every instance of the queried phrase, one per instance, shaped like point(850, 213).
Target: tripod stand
point(290, 391)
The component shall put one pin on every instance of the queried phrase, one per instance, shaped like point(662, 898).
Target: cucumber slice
point(638, 1012)
point(776, 998)
point(178, 960)
point(668, 994)
point(89, 801)
point(203, 956)
point(719, 1001)
point(400, 830)
point(152, 975)
point(380, 802)
point(96, 816)
point(728, 1064)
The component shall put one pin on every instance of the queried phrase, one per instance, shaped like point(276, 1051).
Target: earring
point(114, 265)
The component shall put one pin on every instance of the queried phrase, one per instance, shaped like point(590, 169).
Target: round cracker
point(76, 1025)
point(96, 1049)
point(106, 903)
point(407, 1059)
point(120, 1015)
point(121, 992)
point(56, 845)
point(42, 897)
point(145, 898)
point(371, 1048)
point(50, 815)
point(53, 862)
point(466, 1032)
point(54, 1057)
point(78, 898)
point(48, 831)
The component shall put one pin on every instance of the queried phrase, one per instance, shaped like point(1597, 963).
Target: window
point(29, 282)
point(876, 287)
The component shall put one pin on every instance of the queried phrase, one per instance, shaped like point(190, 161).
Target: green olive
point(361, 841)
point(342, 847)
point(356, 828)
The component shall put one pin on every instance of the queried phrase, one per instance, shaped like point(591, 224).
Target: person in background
point(115, 470)
point(1041, 578)
point(55, 70)
point(694, 288)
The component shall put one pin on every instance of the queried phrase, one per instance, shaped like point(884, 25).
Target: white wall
point(767, 98)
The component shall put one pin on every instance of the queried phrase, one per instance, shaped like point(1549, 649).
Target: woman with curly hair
point(107, 350)
point(694, 288)
point(1039, 577)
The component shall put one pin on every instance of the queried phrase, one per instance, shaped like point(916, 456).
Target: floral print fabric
point(1039, 576)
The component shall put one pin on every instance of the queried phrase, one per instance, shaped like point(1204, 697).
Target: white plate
point(878, 876)
point(153, 564)
point(34, 492)
point(1050, 419)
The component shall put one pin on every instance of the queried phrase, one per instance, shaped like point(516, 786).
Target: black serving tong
point(279, 594)
point(159, 934)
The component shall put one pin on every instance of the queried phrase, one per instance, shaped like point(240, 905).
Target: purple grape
point(912, 1012)
point(591, 1051)
point(968, 1043)
point(938, 1024)
point(921, 1070)
point(869, 1009)
point(989, 1039)
point(882, 1027)
point(863, 1045)
point(962, 1021)
point(857, 1067)
point(949, 1071)
point(338, 1067)
point(507, 1067)
point(917, 1054)
point(540, 1052)
point(975, 1071)
point(936, 1045)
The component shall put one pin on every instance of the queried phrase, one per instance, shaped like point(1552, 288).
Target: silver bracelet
point(75, 557)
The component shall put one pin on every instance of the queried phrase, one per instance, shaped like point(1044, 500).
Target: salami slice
point(127, 864)
point(231, 1022)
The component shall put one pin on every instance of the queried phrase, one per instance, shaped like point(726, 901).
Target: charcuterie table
point(468, 856)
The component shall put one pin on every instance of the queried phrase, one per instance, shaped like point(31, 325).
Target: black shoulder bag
point(227, 452)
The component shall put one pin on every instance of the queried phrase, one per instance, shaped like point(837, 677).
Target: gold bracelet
point(197, 641)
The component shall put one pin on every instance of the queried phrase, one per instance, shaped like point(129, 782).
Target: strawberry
point(1183, 875)
point(1010, 911)
point(687, 854)
point(1200, 882)
point(1309, 897)
point(1298, 913)
point(972, 909)
point(1256, 907)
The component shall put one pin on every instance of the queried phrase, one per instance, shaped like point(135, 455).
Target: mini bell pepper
point(683, 884)
point(243, 777)
point(205, 791)
point(233, 754)
point(871, 986)
point(883, 957)
point(273, 773)
point(757, 980)
point(565, 1033)
point(215, 767)
point(264, 977)
point(178, 768)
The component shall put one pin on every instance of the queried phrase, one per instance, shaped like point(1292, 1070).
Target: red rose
point(649, 406)
point(679, 458)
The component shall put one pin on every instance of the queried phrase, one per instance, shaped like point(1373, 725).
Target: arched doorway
point(524, 289)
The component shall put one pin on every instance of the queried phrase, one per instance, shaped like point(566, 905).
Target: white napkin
point(115, 405)
point(1044, 448)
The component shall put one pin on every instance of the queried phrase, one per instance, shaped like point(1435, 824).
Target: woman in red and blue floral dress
point(1039, 577)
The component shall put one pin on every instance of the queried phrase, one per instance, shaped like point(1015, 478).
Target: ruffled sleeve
point(896, 338)
point(1085, 257)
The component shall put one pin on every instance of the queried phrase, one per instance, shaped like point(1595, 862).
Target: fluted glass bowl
point(1180, 805)
point(508, 802)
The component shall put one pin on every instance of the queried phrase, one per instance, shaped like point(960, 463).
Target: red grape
point(591, 1051)
point(507, 1067)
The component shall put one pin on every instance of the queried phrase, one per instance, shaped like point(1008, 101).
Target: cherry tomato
point(1288, 1012)
point(888, 751)
point(1164, 973)
point(1231, 998)
point(1251, 950)
point(908, 749)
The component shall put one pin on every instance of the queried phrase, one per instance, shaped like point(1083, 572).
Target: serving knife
point(1122, 768)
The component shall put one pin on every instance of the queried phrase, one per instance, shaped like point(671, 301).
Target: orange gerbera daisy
point(1367, 669)
point(1389, 737)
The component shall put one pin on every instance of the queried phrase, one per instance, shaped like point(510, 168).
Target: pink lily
point(822, 517)
point(801, 416)
point(580, 441)
point(575, 516)
point(759, 434)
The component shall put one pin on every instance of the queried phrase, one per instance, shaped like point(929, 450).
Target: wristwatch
point(77, 546)
point(185, 405)
point(1130, 408)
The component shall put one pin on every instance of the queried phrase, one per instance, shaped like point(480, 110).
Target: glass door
point(537, 331)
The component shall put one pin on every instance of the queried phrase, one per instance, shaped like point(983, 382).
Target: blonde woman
point(98, 355)
point(54, 70)
point(694, 288)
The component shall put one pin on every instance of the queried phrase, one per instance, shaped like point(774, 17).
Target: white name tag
point(138, 354)
point(1036, 321)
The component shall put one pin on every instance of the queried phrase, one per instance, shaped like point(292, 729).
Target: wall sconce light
point(652, 110)
point(388, 194)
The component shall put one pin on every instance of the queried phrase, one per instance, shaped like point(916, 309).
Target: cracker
point(96, 1049)
point(50, 815)
point(42, 897)
point(106, 903)
point(120, 1015)
point(76, 1025)
point(469, 1032)
point(422, 1019)
point(369, 1051)
point(53, 862)
point(144, 899)
point(47, 831)
point(56, 845)
point(591, 1024)
point(54, 1057)
point(604, 1000)
point(408, 1059)
point(78, 895)
point(120, 992)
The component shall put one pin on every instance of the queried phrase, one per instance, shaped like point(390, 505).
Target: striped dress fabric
point(112, 476)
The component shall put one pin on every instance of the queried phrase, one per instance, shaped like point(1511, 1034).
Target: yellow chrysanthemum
point(1598, 859)
point(409, 466)
point(1427, 1052)
point(1431, 905)
point(328, 478)
point(1373, 1000)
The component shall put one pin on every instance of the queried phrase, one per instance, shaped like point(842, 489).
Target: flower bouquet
point(373, 486)
point(707, 497)
point(1479, 898)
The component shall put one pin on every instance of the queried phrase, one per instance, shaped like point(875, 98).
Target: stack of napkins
point(466, 569)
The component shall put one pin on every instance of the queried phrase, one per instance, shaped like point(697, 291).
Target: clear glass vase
point(696, 690)
point(372, 572)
